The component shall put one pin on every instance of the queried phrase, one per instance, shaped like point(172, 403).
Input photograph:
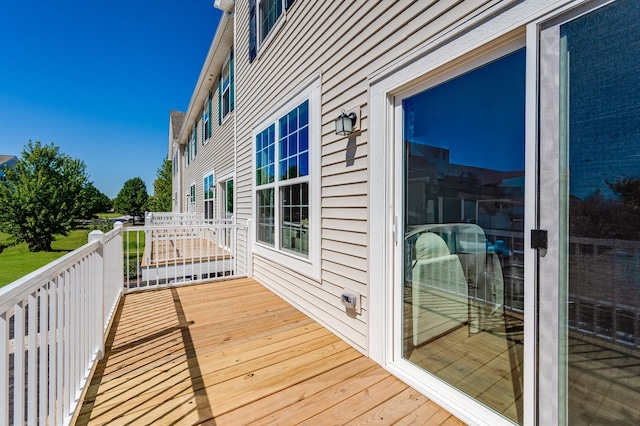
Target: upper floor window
point(270, 11)
point(206, 120)
point(262, 21)
point(226, 89)
point(174, 162)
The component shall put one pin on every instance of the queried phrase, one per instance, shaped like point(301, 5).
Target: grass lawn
point(17, 261)
point(108, 215)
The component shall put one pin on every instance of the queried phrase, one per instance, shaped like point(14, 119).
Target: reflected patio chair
point(439, 295)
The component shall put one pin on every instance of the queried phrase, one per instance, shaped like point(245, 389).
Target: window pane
point(295, 218)
point(229, 198)
point(304, 164)
point(463, 204)
point(304, 139)
point(266, 219)
point(303, 114)
point(294, 145)
point(600, 68)
point(265, 156)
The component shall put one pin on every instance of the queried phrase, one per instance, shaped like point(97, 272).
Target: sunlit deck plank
point(230, 353)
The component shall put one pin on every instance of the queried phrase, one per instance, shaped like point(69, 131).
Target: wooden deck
point(177, 250)
point(233, 353)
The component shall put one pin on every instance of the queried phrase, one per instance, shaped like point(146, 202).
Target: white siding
point(346, 41)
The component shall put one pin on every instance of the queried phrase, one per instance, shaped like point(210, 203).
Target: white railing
point(52, 329)
point(182, 219)
point(167, 255)
point(604, 300)
point(53, 322)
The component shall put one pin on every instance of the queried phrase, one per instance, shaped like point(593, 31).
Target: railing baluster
point(18, 363)
point(32, 355)
point(4, 368)
point(44, 354)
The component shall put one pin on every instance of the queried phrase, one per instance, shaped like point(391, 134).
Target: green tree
point(132, 198)
point(41, 195)
point(161, 200)
point(628, 189)
point(93, 202)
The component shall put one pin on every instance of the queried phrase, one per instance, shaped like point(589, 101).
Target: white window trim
point(226, 116)
point(222, 204)
point(310, 90)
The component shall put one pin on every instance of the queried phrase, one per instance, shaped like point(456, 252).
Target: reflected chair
point(439, 290)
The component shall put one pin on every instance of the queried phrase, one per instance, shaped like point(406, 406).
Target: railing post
point(249, 248)
point(99, 293)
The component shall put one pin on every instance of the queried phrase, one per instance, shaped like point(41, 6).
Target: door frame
point(385, 229)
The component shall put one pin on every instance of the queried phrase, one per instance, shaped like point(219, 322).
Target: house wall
point(346, 42)
point(217, 154)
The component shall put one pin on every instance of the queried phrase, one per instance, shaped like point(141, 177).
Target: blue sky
point(98, 79)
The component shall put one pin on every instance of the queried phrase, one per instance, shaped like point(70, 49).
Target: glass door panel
point(463, 196)
point(600, 110)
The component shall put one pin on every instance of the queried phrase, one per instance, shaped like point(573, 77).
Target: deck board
point(233, 353)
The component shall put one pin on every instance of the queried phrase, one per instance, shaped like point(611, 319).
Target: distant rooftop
point(177, 118)
point(7, 158)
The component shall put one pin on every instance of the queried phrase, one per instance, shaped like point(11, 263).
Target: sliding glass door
point(462, 216)
point(590, 203)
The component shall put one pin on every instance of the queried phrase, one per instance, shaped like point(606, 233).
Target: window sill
point(263, 45)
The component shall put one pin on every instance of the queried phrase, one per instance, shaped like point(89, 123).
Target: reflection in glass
point(265, 216)
point(600, 58)
point(295, 218)
point(463, 224)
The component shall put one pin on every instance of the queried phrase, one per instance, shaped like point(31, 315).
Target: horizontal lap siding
point(346, 41)
point(217, 155)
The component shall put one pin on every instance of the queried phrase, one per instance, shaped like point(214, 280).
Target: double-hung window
point(226, 89)
point(287, 182)
point(192, 198)
point(209, 190)
point(193, 142)
point(263, 20)
point(206, 120)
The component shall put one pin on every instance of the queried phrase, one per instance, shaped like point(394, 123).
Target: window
point(226, 89)
point(206, 122)
point(286, 186)
point(191, 147)
point(194, 140)
point(291, 181)
point(262, 22)
point(209, 190)
point(269, 12)
point(174, 163)
point(192, 198)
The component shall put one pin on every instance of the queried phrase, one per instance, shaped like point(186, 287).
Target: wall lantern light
point(345, 123)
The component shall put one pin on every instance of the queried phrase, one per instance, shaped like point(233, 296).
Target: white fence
point(169, 255)
point(52, 327)
point(53, 322)
point(181, 219)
